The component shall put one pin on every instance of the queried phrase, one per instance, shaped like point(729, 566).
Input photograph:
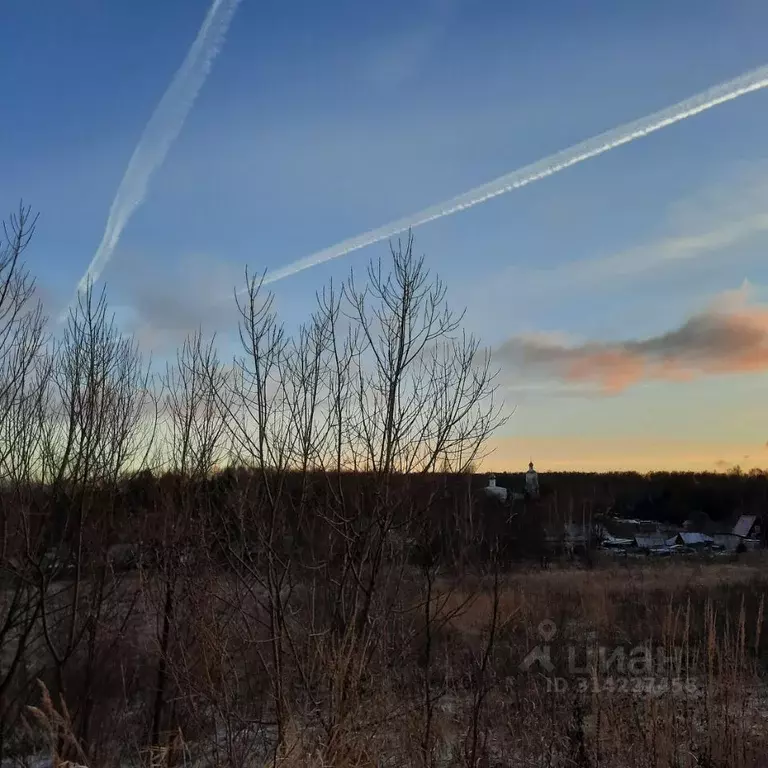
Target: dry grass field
point(657, 665)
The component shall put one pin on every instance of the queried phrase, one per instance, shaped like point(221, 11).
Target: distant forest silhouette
point(672, 497)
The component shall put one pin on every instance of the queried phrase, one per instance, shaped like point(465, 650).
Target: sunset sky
point(625, 299)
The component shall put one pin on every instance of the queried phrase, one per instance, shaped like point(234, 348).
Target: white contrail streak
point(162, 130)
point(597, 145)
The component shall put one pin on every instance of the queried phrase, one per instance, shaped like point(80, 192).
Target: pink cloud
point(728, 337)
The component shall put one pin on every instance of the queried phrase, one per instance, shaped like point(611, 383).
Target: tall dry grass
point(706, 707)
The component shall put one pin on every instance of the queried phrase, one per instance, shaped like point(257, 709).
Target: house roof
point(689, 538)
point(744, 525)
point(650, 541)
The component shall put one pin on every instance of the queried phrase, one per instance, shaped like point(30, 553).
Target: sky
point(625, 299)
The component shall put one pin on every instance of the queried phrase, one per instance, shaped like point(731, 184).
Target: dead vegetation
point(280, 560)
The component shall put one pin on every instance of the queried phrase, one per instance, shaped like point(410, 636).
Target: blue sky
point(321, 120)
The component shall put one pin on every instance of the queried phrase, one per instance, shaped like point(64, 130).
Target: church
point(530, 490)
point(532, 482)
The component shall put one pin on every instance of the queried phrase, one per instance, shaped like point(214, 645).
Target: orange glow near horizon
point(564, 454)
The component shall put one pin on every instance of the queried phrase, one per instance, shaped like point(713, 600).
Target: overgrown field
point(657, 665)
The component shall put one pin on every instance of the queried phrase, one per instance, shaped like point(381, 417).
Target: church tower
point(532, 482)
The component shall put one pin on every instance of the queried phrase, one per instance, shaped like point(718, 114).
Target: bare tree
point(422, 396)
point(97, 420)
point(261, 425)
point(403, 393)
point(21, 318)
point(100, 400)
point(22, 376)
point(196, 403)
point(426, 397)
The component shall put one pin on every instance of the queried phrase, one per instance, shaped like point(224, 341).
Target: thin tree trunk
point(162, 667)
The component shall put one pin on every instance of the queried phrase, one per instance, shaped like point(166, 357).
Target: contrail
point(597, 145)
point(162, 130)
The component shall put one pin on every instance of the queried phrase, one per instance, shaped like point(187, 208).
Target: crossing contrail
point(754, 80)
point(161, 131)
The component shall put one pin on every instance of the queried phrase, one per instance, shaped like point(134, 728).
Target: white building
point(531, 481)
point(494, 490)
